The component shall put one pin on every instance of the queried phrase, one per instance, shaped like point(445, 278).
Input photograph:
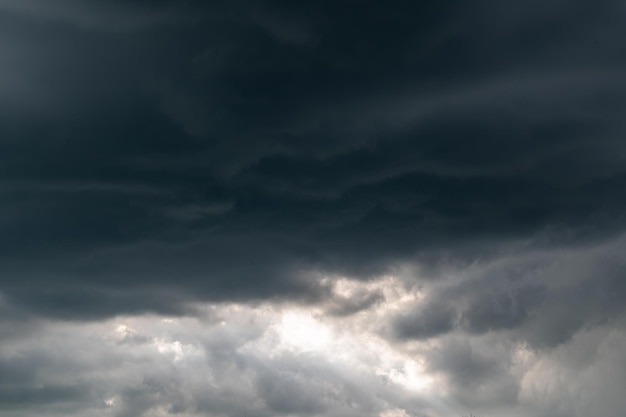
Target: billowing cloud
point(267, 208)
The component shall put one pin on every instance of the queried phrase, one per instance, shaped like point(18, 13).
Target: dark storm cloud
point(502, 310)
point(111, 16)
point(466, 366)
point(155, 154)
point(428, 321)
point(540, 298)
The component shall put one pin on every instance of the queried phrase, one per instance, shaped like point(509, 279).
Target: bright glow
point(122, 331)
point(166, 348)
point(270, 331)
point(353, 341)
point(302, 331)
point(409, 376)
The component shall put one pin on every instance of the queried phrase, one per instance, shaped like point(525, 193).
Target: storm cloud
point(433, 190)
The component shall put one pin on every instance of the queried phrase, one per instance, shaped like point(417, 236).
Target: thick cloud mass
point(443, 178)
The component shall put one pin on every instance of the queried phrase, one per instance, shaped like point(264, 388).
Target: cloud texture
point(326, 208)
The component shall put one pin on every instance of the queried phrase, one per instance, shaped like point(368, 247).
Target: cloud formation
point(266, 208)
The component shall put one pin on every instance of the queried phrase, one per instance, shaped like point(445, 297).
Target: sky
point(312, 208)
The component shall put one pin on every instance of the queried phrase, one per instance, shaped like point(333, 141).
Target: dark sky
point(297, 208)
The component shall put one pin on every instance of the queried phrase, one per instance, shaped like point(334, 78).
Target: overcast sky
point(324, 208)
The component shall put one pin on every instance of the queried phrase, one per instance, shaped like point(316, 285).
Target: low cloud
point(235, 209)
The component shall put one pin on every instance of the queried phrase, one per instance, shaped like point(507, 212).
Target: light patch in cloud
point(221, 362)
point(283, 358)
point(303, 332)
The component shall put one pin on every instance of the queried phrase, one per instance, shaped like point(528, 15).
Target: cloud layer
point(433, 190)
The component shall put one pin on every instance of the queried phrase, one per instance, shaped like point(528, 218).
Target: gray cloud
point(105, 16)
point(348, 305)
point(475, 371)
point(427, 321)
point(214, 369)
point(542, 298)
point(501, 311)
point(162, 157)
